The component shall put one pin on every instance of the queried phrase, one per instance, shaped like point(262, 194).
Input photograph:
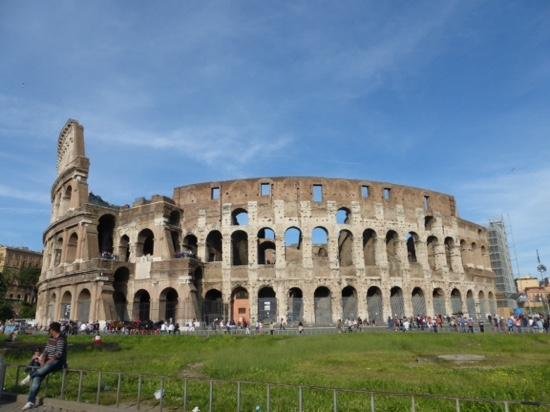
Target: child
point(34, 364)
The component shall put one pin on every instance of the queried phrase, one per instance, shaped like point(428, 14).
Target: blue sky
point(450, 96)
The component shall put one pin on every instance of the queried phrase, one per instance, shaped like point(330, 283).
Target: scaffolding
point(501, 263)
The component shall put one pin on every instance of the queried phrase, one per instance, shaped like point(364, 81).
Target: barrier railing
point(194, 394)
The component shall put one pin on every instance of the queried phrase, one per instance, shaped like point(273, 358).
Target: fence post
point(506, 407)
point(334, 401)
point(63, 377)
point(268, 400)
point(118, 390)
point(300, 399)
point(211, 396)
point(3, 368)
point(184, 395)
point(238, 397)
point(139, 392)
point(98, 387)
point(79, 394)
point(457, 405)
point(3, 377)
point(413, 404)
point(372, 403)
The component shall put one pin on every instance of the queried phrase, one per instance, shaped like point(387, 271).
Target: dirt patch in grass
point(193, 371)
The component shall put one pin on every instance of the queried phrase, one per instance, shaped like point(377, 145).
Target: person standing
point(53, 358)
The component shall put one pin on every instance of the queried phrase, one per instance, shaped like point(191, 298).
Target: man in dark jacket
point(52, 359)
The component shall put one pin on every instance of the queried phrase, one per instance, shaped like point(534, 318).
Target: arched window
point(428, 223)
point(239, 217)
point(295, 305)
point(214, 246)
point(168, 304)
point(343, 216)
point(83, 304)
point(456, 302)
point(239, 248)
point(432, 252)
point(396, 302)
point(213, 306)
point(392, 252)
point(449, 246)
point(412, 241)
point(293, 245)
point(345, 248)
point(190, 244)
point(146, 243)
point(349, 303)
point(267, 305)
point(120, 286)
point(319, 241)
point(418, 302)
point(374, 305)
point(322, 306)
point(266, 247)
point(369, 247)
point(124, 248)
point(439, 302)
point(72, 248)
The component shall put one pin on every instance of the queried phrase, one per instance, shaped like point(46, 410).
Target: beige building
point(12, 261)
point(301, 248)
point(536, 296)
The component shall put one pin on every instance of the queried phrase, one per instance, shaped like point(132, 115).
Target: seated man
point(52, 359)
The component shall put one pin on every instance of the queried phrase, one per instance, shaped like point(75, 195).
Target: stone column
point(336, 303)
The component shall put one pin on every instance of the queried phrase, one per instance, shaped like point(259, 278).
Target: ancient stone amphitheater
point(308, 249)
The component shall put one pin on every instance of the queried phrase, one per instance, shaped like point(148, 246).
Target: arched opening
point(266, 247)
point(214, 246)
point(438, 298)
point(295, 305)
point(142, 305)
point(319, 247)
point(51, 307)
point(168, 304)
point(392, 252)
point(482, 304)
point(349, 303)
point(190, 244)
point(463, 253)
point(58, 248)
point(239, 217)
point(474, 258)
point(396, 302)
point(145, 243)
point(66, 306)
point(456, 302)
point(343, 216)
point(369, 247)
point(345, 248)
point(483, 255)
point(428, 223)
point(66, 201)
point(72, 245)
point(267, 305)
point(83, 305)
point(239, 248)
point(432, 252)
point(412, 241)
point(374, 305)
point(105, 230)
point(120, 286)
point(322, 306)
point(471, 304)
point(212, 306)
point(418, 302)
point(293, 246)
point(174, 218)
point(449, 246)
point(240, 307)
point(492, 303)
point(175, 236)
point(124, 248)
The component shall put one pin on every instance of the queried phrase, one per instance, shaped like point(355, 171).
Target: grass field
point(516, 366)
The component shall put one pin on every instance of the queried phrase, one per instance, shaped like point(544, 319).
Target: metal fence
point(169, 393)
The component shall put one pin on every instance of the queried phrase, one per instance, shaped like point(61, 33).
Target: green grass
point(516, 366)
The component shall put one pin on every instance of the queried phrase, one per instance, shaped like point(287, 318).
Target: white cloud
point(40, 197)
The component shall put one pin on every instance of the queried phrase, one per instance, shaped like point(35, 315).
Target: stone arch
point(52, 301)
point(418, 302)
point(482, 304)
point(369, 247)
point(240, 305)
point(190, 244)
point(375, 306)
point(267, 305)
point(124, 248)
point(239, 248)
point(438, 297)
point(295, 305)
point(105, 229)
point(345, 248)
point(239, 217)
point(449, 246)
point(120, 294)
point(431, 244)
point(349, 303)
point(293, 245)
point(142, 305)
point(492, 303)
point(483, 255)
point(212, 306)
point(463, 253)
point(83, 306)
point(474, 254)
point(214, 246)
point(168, 304)
point(396, 302)
point(66, 309)
point(322, 306)
point(72, 246)
point(58, 248)
point(267, 252)
point(319, 240)
point(343, 216)
point(145, 243)
point(412, 241)
point(456, 302)
point(392, 253)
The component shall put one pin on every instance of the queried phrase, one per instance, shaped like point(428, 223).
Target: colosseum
point(308, 249)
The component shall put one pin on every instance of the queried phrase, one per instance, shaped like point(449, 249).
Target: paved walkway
point(12, 403)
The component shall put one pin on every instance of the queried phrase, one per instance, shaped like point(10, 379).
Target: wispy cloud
point(40, 197)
